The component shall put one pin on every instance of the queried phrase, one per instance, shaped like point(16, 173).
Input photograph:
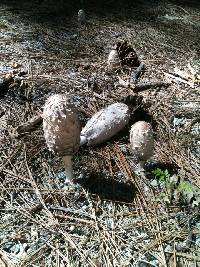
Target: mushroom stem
point(83, 140)
point(68, 169)
point(140, 166)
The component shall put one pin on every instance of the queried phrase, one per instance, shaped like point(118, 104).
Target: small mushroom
point(105, 124)
point(62, 130)
point(81, 16)
point(113, 59)
point(141, 142)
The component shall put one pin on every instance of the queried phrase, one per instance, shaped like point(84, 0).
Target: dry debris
point(112, 216)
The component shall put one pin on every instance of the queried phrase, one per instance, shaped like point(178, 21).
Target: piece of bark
point(30, 125)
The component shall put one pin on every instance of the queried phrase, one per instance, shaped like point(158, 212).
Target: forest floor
point(112, 216)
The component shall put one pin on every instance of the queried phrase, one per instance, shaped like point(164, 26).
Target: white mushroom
point(141, 142)
point(81, 16)
point(105, 124)
point(61, 130)
point(113, 59)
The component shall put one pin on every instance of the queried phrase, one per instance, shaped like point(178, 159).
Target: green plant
point(163, 176)
point(169, 187)
point(185, 187)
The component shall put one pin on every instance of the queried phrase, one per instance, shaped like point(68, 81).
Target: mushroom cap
point(141, 140)
point(81, 15)
point(61, 125)
point(106, 123)
point(113, 59)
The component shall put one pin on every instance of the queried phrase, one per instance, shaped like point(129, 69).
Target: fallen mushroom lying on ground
point(62, 130)
point(105, 124)
point(141, 143)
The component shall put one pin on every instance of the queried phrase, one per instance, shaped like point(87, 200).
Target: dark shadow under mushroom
point(109, 189)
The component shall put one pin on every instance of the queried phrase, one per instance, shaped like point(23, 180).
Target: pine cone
point(127, 54)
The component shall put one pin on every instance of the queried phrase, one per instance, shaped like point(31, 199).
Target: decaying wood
point(142, 86)
point(149, 85)
point(30, 125)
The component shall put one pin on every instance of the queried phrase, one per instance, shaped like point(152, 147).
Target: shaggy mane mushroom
point(61, 130)
point(141, 142)
point(113, 59)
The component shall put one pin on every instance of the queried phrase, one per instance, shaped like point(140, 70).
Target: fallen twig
point(179, 79)
point(4, 260)
point(30, 125)
point(149, 85)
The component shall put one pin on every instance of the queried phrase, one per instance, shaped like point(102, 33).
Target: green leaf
point(185, 186)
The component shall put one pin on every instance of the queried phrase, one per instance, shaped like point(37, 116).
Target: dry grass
point(112, 217)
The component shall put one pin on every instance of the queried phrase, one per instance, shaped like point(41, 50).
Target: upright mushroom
point(81, 16)
point(113, 59)
point(61, 130)
point(141, 142)
point(105, 123)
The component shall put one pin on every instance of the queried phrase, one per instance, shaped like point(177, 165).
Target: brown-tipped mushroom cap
point(61, 125)
point(141, 140)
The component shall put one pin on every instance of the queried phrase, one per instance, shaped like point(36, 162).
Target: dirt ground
point(112, 216)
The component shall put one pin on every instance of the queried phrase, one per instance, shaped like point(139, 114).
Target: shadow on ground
point(109, 189)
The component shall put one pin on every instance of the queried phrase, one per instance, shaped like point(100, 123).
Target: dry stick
point(6, 261)
point(34, 256)
point(185, 255)
point(179, 79)
point(159, 236)
point(174, 254)
point(39, 206)
point(74, 245)
point(29, 125)
point(74, 219)
point(98, 226)
point(37, 191)
point(149, 85)
point(9, 159)
point(60, 254)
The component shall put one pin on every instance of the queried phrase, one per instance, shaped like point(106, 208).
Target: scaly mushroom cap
point(61, 125)
point(141, 140)
point(105, 123)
